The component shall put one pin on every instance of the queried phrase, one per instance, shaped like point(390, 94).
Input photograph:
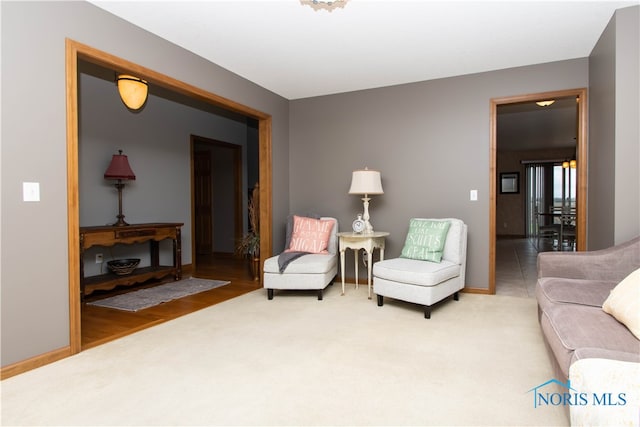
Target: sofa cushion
point(416, 272)
point(306, 264)
point(551, 290)
point(425, 239)
point(568, 327)
point(624, 303)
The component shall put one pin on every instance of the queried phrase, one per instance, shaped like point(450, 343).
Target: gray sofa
point(570, 291)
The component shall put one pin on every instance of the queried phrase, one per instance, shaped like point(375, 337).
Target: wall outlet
point(99, 258)
point(504, 225)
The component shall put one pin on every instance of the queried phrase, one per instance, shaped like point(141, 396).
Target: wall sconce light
point(133, 91)
point(366, 182)
point(569, 164)
point(120, 170)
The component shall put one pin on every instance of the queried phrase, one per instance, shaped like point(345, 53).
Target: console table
point(110, 235)
point(357, 241)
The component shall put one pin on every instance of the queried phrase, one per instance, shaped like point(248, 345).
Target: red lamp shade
point(119, 168)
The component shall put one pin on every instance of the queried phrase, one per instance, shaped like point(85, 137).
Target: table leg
point(369, 260)
point(155, 253)
point(342, 268)
point(356, 252)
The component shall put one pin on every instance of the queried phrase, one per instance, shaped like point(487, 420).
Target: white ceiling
point(298, 52)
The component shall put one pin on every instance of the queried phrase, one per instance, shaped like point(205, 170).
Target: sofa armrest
point(613, 264)
point(604, 353)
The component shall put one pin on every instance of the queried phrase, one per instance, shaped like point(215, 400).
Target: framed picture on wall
point(510, 183)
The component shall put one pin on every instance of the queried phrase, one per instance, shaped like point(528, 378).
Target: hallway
point(516, 271)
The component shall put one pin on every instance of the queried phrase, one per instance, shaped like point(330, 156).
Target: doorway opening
point(76, 52)
point(525, 199)
point(217, 197)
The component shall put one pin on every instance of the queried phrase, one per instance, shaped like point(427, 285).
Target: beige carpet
point(299, 361)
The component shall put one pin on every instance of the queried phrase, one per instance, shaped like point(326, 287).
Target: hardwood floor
point(100, 325)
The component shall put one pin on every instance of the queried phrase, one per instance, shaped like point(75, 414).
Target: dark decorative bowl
point(122, 267)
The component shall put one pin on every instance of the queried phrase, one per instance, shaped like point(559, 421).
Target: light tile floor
point(516, 271)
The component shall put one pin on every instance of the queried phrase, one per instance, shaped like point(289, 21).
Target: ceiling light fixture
point(324, 4)
point(133, 91)
point(545, 103)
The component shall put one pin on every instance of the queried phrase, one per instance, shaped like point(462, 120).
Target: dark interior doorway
point(217, 198)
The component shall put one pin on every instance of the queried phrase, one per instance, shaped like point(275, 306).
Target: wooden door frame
point(238, 193)
point(581, 157)
point(75, 51)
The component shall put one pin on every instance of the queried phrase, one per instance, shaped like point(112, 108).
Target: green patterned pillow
point(425, 240)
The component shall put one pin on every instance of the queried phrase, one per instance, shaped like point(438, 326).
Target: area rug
point(149, 297)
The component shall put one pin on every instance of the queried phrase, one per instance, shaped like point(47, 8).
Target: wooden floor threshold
point(101, 325)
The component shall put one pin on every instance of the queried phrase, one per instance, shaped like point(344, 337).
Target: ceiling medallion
point(324, 4)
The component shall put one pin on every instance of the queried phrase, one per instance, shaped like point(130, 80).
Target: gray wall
point(34, 276)
point(614, 153)
point(430, 140)
point(627, 167)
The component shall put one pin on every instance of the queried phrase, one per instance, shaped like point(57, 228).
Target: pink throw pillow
point(310, 235)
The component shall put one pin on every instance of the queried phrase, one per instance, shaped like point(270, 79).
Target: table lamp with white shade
point(366, 182)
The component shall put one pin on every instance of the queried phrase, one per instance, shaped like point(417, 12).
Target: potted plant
point(249, 245)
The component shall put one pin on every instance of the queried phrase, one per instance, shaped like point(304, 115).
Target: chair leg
point(269, 293)
point(456, 296)
point(427, 312)
point(380, 300)
point(320, 295)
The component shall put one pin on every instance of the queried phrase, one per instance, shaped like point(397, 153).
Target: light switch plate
point(31, 191)
point(473, 195)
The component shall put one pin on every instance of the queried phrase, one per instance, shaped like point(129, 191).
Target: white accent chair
point(309, 272)
point(425, 282)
